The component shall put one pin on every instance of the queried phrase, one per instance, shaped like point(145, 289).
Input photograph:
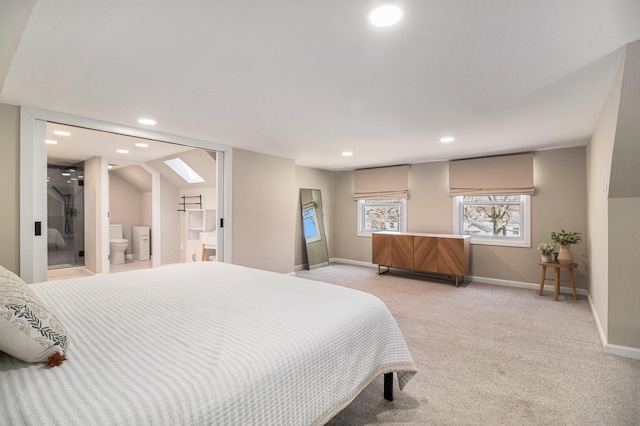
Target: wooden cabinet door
point(381, 249)
point(402, 251)
point(425, 254)
point(451, 256)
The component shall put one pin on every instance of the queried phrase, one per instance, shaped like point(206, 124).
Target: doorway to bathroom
point(33, 191)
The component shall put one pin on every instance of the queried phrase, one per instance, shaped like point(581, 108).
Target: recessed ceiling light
point(142, 145)
point(61, 133)
point(385, 16)
point(51, 142)
point(122, 151)
point(66, 174)
point(347, 154)
point(147, 121)
point(447, 139)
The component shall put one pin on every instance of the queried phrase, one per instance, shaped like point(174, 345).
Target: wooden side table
point(557, 267)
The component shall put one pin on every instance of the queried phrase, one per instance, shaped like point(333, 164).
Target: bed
point(55, 240)
point(204, 343)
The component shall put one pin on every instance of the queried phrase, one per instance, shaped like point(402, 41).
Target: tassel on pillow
point(55, 360)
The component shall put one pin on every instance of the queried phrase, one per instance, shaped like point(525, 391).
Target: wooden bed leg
point(388, 386)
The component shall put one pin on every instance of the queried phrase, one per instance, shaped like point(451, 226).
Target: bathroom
point(129, 206)
point(130, 190)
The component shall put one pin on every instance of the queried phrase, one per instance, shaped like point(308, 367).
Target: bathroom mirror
point(313, 228)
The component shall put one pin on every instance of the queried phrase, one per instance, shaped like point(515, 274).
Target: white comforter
point(205, 343)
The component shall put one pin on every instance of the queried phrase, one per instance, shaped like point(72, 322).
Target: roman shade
point(504, 175)
point(384, 182)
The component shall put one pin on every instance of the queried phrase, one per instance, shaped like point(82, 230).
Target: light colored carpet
point(492, 355)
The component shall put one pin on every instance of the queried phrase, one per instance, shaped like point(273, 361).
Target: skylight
point(185, 172)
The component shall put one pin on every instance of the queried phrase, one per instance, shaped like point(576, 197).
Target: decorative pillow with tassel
point(29, 330)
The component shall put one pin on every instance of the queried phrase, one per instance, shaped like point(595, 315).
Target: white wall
point(94, 178)
point(10, 187)
point(599, 155)
point(624, 205)
point(170, 223)
point(264, 211)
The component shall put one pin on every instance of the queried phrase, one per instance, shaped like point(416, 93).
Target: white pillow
point(28, 329)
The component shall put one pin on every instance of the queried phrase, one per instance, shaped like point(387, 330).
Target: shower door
point(65, 216)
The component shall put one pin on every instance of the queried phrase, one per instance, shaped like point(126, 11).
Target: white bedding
point(204, 343)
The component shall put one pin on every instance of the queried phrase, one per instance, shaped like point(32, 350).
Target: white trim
point(596, 318)
point(33, 198)
point(224, 203)
point(521, 284)
point(31, 264)
point(525, 216)
point(352, 262)
point(403, 217)
point(484, 280)
point(625, 351)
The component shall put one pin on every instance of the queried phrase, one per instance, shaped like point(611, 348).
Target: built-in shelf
point(198, 221)
point(190, 200)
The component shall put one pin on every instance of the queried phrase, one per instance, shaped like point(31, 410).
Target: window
point(310, 221)
point(381, 215)
point(494, 219)
point(183, 169)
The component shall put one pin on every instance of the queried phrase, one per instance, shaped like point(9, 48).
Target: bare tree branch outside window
point(492, 215)
point(381, 215)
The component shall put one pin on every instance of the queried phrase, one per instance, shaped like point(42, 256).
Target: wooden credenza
point(430, 253)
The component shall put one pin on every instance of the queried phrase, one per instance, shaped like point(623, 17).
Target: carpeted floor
point(492, 355)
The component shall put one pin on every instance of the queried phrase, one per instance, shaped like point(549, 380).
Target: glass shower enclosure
point(65, 216)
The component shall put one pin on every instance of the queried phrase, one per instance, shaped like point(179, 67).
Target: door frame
point(33, 197)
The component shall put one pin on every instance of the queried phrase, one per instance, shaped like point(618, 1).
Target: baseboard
point(625, 351)
point(596, 318)
point(496, 281)
point(521, 284)
point(352, 262)
point(305, 266)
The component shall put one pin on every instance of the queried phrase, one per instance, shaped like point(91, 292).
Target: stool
point(557, 267)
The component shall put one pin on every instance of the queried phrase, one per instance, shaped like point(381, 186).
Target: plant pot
point(564, 255)
point(546, 258)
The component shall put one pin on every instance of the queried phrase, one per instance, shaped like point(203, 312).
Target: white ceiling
point(308, 80)
point(83, 144)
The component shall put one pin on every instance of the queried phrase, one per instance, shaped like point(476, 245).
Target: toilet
point(117, 244)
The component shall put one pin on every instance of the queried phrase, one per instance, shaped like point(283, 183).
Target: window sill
point(500, 242)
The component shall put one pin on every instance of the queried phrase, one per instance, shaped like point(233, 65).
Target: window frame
point(403, 214)
point(525, 224)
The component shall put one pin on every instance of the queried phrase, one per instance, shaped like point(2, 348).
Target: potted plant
point(565, 239)
point(546, 252)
